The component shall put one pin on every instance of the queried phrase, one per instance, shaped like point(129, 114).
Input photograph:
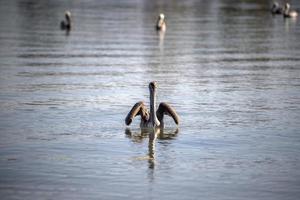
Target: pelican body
point(161, 23)
point(66, 25)
point(289, 14)
point(276, 9)
point(153, 118)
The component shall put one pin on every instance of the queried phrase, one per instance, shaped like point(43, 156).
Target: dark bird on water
point(153, 118)
point(276, 9)
point(66, 24)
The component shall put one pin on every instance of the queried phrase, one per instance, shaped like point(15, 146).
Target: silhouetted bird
point(66, 25)
point(276, 9)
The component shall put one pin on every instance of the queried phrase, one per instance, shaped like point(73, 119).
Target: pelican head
point(275, 7)
point(161, 16)
point(152, 86)
point(276, 4)
point(287, 7)
point(68, 15)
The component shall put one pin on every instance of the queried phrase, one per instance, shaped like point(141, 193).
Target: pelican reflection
point(152, 135)
point(161, 36)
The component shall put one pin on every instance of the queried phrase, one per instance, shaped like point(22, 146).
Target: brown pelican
point(66, 25)
point(288, 13)
point(161, 23)
point(276, 9)
point(154, 118)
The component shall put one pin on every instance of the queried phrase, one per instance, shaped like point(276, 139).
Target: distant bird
point(66, 25)
point(288, 13)
point(153, 118)
point(161, 23)
point(276, 9)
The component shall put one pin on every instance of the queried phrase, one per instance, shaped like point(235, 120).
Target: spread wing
point(138, 109)
point(165, 108)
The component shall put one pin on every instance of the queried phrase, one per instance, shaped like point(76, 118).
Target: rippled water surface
point(230, 68)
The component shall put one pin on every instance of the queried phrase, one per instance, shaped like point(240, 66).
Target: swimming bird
point(66, 25)
point(153, 118)
point(161, 23)
point(288, 13)
point(276, 9)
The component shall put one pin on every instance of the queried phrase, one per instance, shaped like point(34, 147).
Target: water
point(230, 69)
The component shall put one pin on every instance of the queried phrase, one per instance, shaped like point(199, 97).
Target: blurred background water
point(230, 69)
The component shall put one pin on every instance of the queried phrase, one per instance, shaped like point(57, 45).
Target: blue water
point(229, 68)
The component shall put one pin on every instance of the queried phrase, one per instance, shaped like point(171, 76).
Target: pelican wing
point(138, 109)
point(165, 108)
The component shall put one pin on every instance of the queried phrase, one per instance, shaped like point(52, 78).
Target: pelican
point(276, 9)
point(161, 23)
point(154, 118)
point(288, 13)
point(66, 25)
